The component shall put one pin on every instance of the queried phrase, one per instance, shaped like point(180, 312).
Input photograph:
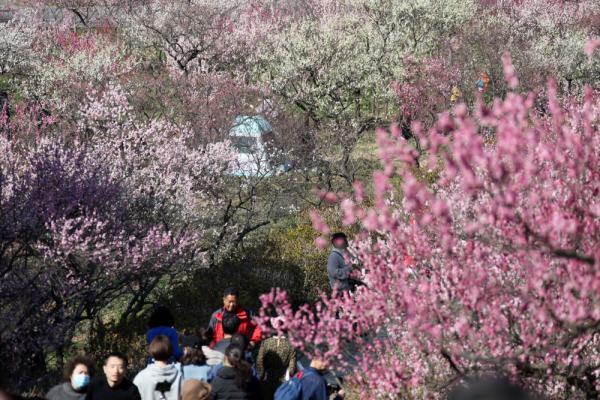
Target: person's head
point(194, 389)
point(78, 372)
point(206, 336)
point(339, 240)
point(160, 348)
point(240, 340)
point(115, 368)
point(192, 351)
point(161, 316)
point(489, 389)
point(231, 323)
point(231, 299)
point(318, 364)
point(234, 358)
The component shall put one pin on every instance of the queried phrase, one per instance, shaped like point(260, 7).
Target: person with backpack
point(159, 380)
point(235, 381)
point(308, 384)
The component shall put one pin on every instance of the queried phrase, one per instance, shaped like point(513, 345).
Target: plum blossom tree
point(334, 64)
point(101, 213)
point(70, 246)
point(54, 64)
point(492, 267)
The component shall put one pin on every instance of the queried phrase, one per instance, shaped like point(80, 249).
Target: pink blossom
point(500, 270)
point(590, 46)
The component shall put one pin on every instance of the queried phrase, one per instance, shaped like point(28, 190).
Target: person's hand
point(252, 344)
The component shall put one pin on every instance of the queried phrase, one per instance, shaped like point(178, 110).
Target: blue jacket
point(313, 385)
point(169, 332)
point(198, 372)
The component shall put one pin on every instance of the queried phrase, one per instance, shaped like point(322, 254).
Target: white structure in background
point(250, 135)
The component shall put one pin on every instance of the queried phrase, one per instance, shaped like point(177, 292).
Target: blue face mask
point(80, 381)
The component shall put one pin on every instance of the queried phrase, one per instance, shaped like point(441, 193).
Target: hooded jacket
point(147, 379)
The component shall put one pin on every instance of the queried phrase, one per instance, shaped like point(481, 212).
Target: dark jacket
point(99, 390)
point(313, 384)
point(247, 327)
point(338, 271)
point(224, 387)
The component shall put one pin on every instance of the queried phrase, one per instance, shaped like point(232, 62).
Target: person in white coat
point(160, 380)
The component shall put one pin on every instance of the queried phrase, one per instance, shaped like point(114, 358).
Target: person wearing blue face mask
point(77, 374)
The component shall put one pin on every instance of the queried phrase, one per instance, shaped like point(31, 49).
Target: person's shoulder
point(216, 313)
point(161, 330)
point(96, 383)
point(138, 377)
point(311, 375)
point(217, 383)
point(130, 387)
point(335, 256)
point(56, 392)
point(249, 312)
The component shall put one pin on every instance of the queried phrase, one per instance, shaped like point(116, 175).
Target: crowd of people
point(226, 360)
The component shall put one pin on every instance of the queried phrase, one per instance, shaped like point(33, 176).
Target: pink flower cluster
point(493, 267)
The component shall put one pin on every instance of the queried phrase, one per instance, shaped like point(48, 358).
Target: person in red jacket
point(231, 305)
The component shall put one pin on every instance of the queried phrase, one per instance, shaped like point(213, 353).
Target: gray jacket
point(337, 270)
point(64, 391)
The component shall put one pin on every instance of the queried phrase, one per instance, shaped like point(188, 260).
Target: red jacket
point(247, 327)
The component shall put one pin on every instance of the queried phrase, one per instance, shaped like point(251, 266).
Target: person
point(234, 380)
point(77, 374)
point(314, 386)
point(194, 389)
point(212, 357)
point(160, 380)
point(114, 386)
point(337, 270)
point(230, 324)
point(276, 359)
point(194, 360)
point(242, 342)
point(231, 305)
point(162, 322)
